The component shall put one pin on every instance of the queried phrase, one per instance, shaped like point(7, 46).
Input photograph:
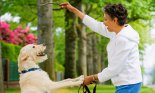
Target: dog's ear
point(23, 57)
point(21, 60)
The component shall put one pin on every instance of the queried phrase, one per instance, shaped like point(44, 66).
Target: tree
point(45, 34)
point(1, 72)
point(96, 55)
point(152, 74)
point(82, 45)
point(89, 55)
point(70, 43)
point(1, 69)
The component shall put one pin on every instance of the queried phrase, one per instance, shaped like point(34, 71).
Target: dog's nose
point(44, 44)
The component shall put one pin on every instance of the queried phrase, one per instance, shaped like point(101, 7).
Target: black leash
point(94, 90)
point(86, 89)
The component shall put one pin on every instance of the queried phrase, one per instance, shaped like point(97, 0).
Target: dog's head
point(32, 53)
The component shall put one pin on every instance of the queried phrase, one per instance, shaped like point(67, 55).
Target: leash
point(86, 89)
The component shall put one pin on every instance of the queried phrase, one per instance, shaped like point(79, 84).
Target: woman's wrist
point(78, 12)
point(95, 77)
point(72, 9)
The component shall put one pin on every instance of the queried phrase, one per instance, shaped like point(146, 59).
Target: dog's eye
point(33, 47)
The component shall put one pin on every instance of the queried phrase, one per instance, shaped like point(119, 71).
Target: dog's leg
point(56, 85)
point(69, 79)
point(66, 83)
point(64, 80)
point(79, 78)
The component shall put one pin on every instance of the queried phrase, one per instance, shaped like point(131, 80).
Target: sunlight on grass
point(62, 91)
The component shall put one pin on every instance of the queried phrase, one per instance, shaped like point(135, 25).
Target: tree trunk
point(89, 55)
point(70, 46)
point(96, 55)
point(45, 35)
point(70, 42)
point(1, 72)
point(1, 69)
point(82, 57)
point(103, 53)
point(102, 58)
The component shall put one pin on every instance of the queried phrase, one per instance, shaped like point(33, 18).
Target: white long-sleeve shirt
point(123, 54)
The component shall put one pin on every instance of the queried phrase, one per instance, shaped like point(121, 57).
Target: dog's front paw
point(80, 78)
point(80, 82)
point(77, 83)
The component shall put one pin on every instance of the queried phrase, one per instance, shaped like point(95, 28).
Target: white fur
point(38, 81)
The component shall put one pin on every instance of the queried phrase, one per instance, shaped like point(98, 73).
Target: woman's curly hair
point(118, 11)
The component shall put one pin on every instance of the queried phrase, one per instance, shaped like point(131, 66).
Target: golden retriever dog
point(35, 80)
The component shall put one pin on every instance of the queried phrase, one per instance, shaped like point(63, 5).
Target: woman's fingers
point(67, 6)
point(64, 5)
point(88, 80)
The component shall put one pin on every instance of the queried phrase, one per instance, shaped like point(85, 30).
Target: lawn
point(100, 89)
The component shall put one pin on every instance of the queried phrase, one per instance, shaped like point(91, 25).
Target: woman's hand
point(71, 8)
point(88, 80)
point(67, 6)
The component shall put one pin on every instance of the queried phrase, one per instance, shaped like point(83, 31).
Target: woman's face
point(110, 23)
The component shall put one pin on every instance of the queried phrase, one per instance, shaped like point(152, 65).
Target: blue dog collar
point(29, 70)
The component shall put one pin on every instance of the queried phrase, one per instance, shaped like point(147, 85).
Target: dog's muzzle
point(41, 54)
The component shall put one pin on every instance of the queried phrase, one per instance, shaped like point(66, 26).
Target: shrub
point(18, 36)
point(10, 51)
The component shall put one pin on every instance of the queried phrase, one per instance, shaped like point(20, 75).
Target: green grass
point(12, 91)
point(100, 89)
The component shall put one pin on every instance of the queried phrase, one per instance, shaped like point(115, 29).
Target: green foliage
point(59, 19)
point(59, 67)
point(59, 50)
point(26, 9)
point(142, 27)
point(10, 51)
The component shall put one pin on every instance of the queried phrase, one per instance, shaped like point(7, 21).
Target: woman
point(123, 54)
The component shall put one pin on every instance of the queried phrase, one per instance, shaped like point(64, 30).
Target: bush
point(10, 51)
point(19, 36)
